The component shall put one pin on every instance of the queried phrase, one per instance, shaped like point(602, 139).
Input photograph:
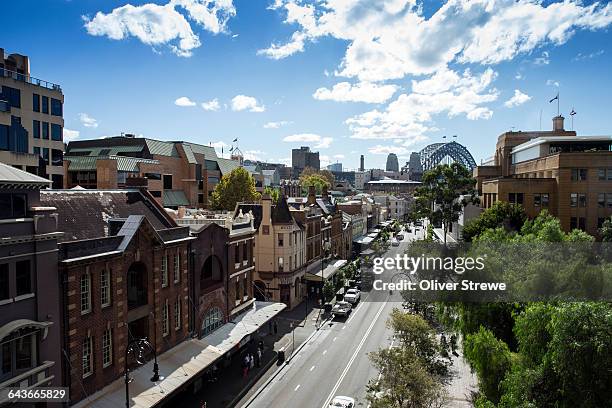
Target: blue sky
point(346, 77)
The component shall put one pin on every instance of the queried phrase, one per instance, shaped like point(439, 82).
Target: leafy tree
point(606, 230)
point(404, 381)
point(329, 291)
point(316, 180)
point(235, 187)
point(444, 192)
point(509, 216)
point(273, 192)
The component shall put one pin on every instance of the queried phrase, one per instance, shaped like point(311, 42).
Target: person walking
point(245, 366)
point(258, 357)
point(251, 361)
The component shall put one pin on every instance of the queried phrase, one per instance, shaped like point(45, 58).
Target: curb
point(281, 368)
point(250, 384)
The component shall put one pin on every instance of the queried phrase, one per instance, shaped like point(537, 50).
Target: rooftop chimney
point(312, 195)
point(361, 163)
point(558, 123)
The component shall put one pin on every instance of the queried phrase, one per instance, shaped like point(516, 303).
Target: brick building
point(569, 175)
point(123, 263)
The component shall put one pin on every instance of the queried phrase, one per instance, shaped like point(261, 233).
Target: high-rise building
point(413, 167)
point(31, 120)
point(302, 158)
point(568, 175)
point(392, 163)
point(335, 167)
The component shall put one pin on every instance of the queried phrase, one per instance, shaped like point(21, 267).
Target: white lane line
point(334, 339)
point(357, 350)
point(312, 368)
point(296, 388)
point(353, 313)
point(343, 327)
point(324, 352)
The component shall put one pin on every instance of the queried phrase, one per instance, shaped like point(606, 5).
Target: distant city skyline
point(344, 80)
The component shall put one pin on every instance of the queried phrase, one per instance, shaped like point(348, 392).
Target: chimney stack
point(312, 195)
point(558, 123)
point(361, 163)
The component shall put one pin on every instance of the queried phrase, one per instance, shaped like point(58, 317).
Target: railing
point(29, 79)
point(36, 377)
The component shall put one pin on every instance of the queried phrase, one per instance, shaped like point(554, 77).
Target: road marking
point(357, 350)
point(296, 388)
point(324, 352)
point(334, 339)
point(312, 368)
point(343, 327)
point(353, 313)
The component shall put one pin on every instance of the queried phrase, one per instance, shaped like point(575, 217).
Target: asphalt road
point(334, 361)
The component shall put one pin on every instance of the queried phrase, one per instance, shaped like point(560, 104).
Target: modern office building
point(30, 313)
point(335, 167)
point(569, 175)
point(302, 158)
point(31, 120)
point(175, 173)
point(392, 163)
point(413, 167)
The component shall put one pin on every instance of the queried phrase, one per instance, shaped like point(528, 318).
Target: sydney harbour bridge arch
point(433, 155)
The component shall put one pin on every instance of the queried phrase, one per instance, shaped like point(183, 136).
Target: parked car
point(400, 237)
point(394, 242)
point(353, 296)
point(342, 402)
point(342, 308)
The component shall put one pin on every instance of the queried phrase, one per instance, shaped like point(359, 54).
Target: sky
point(345, 77)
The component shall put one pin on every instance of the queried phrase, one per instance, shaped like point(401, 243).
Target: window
point(105, 298)
point(4, 137)
point(23, 278)
point(45, 104)
point(280, 263)
point(56, 132)
point(601, 174)
point(107, 347)
point(177, 313)
point(581, 200)
point(167, 181)
point(153, 176)
point(609, 174)
point(537, 200)
point(13, 206)
point(87, 356)
point(609, 199)
point(45, 155)
point(164, 271)
point(579, 174)
point(245, 251)
point(573, 223)
point(23, 353)
point(177, 267)
point(582, 223)
point(165, 330)
point(4, 281)
point(45, 130)
point(12, 96)
point(56, 107)
point(85, 293)
point(212, 321)
point(57, 157)
point(245, 287)
point(280, 240)
point(155, 193)
point(265, 230)
point(237, 253)
point(516, 198)
point(7, 359)
point(36, 129)
point(36, 102)
point(237, 288)
point(573, 200)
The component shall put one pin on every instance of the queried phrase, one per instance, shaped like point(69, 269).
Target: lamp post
point(325, 245)
point(138, 348)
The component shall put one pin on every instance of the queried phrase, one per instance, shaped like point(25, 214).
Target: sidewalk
point(230, 385)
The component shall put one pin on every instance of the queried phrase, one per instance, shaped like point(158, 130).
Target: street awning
point(328, 272)
point(363, 240)
point(182, 363)
point(366, 252)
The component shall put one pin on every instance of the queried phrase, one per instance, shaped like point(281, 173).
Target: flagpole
point(558, 110)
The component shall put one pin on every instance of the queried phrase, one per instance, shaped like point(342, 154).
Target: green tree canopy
point(274, 193)
point(235, 187)
point(502, 214)
point(606, 230)
point(444, 192)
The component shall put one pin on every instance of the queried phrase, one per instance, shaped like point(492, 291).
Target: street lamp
point(138, 349)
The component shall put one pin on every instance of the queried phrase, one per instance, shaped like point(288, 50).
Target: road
point(334, 361)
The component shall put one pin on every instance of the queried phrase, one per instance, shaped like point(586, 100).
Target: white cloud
point(581, 57)
point(360, 92)
point(212, 105)
point(184, 101)
point(552, 82)
point(256, 155)
point(70, 135)
point(338, 156)
point(519, 98)
point(88, 121)
point(388, 40)
point(543, 59)
point(158, 25)
point(321, 142)
point(380, 149)
point(243, 102)
point(276, 125)
point(410, 116)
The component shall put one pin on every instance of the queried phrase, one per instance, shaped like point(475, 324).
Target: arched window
point(211, 272)
point(212, 321)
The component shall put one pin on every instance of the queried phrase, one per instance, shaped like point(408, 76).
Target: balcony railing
point(29, 79)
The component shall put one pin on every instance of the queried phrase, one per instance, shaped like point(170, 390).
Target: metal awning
point(328, 272)
point(363, 240)
point(18, 324)
point(366, 252)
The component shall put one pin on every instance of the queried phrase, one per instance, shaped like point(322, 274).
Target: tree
point(328, 290)
point(509, 216)
point(273, 192)
point(606, 230)
point(444, 193)
point(404, 381)
point(235, 187)
point(317, 178)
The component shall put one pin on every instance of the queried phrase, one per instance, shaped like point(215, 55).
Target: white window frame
point(165, 325)
point(177, 314)
point(177, 267)
point(107, 347)
point(164, 271)
point(105, 289)
point(85, 291)
point(87, 357)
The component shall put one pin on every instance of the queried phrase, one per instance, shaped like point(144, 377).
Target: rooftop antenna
point(556, 98)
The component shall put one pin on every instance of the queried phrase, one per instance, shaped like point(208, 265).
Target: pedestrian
point(275, 328)
point(245, 367)
point(251, 361)
point(258, 357)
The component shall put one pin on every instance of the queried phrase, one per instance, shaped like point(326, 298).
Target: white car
point(342, 402)
point(395, 242)
point(352, 296)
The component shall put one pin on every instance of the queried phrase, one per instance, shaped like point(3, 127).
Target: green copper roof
point(161, 148)
point(85, 163)
point(175, 198)
point(227, 165)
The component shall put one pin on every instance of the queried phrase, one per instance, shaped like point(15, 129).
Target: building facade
point(302, 158)
point(30, 314)
point(31, 120)
point(392, 163)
